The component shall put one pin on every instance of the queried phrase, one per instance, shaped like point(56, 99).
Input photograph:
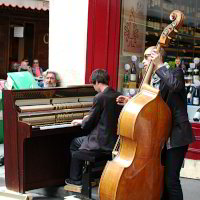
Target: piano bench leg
point(86, 180)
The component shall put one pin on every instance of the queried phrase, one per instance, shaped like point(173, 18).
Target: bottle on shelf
point(125, 88)
point(126, 76)
point(126, 80)
point(133, 73)
point(196, 117)
point(190, 75)
point(190, 95)
point(195, 75)
point(195, 99)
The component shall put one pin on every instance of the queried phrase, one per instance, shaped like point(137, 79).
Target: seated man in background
point(36, 69)
point(24, 66)
point(14, 67)
point(101, 123)
point(51, 79)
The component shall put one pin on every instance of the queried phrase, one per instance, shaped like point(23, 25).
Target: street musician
point(101, 123)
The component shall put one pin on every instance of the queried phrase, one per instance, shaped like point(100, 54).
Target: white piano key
point(55, 126)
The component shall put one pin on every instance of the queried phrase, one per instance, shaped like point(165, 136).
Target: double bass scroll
point(144, 124)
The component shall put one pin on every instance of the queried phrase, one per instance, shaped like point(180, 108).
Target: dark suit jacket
point(102, 122)
point(172, 88)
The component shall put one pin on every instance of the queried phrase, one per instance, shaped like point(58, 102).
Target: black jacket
point(172, 88)
point(102, 122)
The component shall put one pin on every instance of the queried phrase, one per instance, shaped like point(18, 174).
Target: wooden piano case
point(36, 157)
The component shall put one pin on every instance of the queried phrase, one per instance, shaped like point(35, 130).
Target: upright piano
point(37, 134)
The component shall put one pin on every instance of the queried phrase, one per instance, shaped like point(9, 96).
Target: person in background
point(172, 88)
point(24, 66)
point(101, 123)
point(178, 61)
point(14, 67)
point(36, 69)
point(51, 79)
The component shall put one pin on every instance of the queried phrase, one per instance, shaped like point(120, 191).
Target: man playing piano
point(101, 123)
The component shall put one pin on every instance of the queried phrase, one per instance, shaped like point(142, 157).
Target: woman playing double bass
point(172, 87)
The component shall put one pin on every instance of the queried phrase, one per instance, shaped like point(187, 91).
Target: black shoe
point(69, 181)
point(1, 160)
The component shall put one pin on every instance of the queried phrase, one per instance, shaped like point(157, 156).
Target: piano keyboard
point(54, 126)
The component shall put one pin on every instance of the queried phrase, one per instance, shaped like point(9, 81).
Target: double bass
point(144, 124)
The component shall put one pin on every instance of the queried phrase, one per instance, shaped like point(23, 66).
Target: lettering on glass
point(134, 27)
point(131, 33)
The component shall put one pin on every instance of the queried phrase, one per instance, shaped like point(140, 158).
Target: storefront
point(24, 28)
point(127, 28)
point(120, 30)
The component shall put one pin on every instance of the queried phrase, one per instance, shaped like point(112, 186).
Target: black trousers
point(173, 162)
point(76, 165)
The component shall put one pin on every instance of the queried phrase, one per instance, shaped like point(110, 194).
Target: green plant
point(172, 64)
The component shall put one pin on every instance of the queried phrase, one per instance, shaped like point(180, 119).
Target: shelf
point(193, 106)
point(191, 111)
point(154, 12)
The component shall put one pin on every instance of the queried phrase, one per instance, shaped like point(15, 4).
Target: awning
point(27, 4)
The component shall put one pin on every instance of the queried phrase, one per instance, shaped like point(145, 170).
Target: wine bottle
point(125, 84)
point(126, 76)
point(195, 75)
point(196, 97)
point(133, 73)
point(190, 75)
point(189, 96)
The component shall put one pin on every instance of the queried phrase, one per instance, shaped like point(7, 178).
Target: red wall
point(103, 38)
point(194, 148)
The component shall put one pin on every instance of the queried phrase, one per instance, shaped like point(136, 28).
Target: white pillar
point(68, 40)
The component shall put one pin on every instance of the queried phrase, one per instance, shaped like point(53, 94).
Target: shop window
point(142, 23)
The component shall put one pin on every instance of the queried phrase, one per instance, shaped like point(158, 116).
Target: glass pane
point(142, 22)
